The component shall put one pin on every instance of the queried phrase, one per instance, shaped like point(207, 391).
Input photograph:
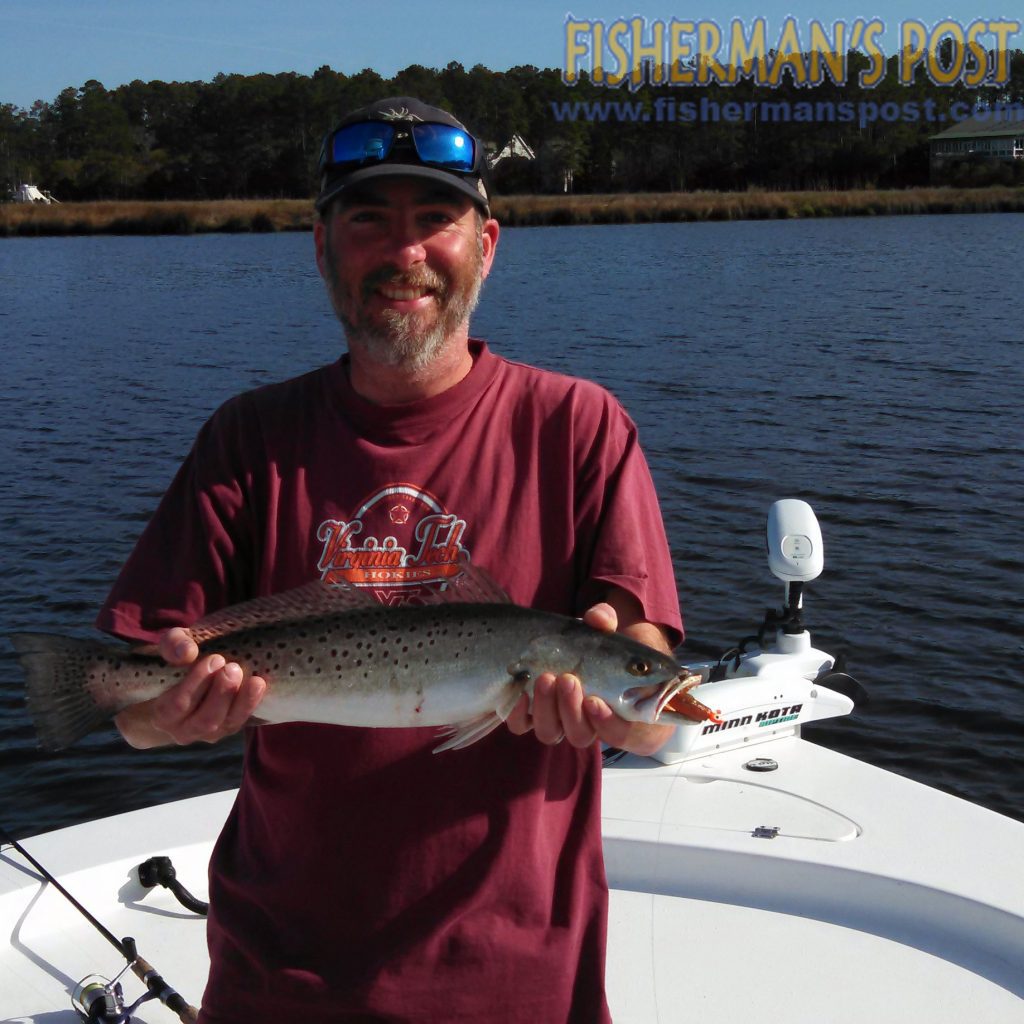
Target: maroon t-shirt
point(360, 876)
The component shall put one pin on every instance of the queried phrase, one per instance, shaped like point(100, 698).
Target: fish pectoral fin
point(463, 734)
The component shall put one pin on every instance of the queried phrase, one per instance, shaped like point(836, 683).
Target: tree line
point(259, 135)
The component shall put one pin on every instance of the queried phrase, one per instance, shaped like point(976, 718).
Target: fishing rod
point(109, 992)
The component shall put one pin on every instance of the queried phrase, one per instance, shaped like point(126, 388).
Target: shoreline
point(183, 217)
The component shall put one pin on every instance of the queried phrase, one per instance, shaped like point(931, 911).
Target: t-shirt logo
point(401, 542)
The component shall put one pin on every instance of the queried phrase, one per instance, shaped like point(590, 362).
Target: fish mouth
point(650, 701)
point(671, 703)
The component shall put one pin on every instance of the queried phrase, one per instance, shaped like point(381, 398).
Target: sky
point(50, 45)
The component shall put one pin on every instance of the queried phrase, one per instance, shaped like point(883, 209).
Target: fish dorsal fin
point(472, 586)
point(306, 602)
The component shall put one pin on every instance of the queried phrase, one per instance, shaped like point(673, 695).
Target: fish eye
point(638, 667)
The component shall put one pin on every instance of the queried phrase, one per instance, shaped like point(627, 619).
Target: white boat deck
point(880, 900)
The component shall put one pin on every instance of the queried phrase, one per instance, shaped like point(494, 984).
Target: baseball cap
point(402, 136)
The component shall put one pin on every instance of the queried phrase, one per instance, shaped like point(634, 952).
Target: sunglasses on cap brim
point(370, 142)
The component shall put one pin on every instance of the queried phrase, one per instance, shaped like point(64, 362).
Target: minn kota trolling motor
point(771, 684)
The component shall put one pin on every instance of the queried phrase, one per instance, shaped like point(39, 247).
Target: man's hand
point(214, 700)
point(560, 709)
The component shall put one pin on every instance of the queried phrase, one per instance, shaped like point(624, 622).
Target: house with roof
point(515, 147)
point(31, 194)
point(994, 135)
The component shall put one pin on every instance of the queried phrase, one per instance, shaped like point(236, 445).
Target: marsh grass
point(264, 215)
point(751, 205)
point(156, 218)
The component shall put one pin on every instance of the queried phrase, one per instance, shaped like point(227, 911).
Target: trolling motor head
point(796, 555)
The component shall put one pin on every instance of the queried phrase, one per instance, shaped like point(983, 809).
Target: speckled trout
point(332, 654)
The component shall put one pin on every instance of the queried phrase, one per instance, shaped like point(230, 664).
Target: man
point(361, 877)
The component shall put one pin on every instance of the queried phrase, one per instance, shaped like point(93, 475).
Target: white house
point(516, 146)
point(30, 194)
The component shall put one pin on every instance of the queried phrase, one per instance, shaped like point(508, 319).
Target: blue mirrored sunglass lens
point(369, 140)
point(444, 146)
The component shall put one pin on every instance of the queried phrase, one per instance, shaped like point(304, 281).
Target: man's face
point(403, 260)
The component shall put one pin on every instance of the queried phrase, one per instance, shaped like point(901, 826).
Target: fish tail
point(59, 686)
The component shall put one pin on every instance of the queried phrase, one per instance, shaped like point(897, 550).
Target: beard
point(407, 340)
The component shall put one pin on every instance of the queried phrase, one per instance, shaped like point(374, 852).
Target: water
point(872, 367)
